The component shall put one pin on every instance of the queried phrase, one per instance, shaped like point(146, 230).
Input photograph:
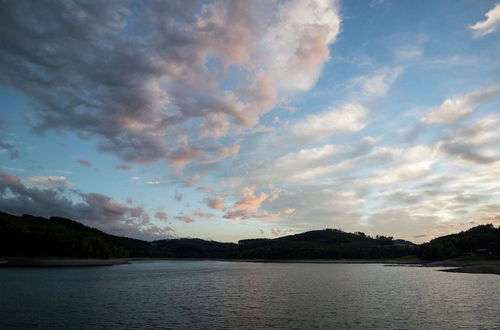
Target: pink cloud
point(247, 206)
point(185, 218)
point(9, 179)
point(216, 203)
point(202, 214)
point(161, 216)
point(84, 162)
point(136, 211)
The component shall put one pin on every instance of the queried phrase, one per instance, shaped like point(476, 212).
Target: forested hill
point(58, 237)
point(479, 240)
point(39, 237)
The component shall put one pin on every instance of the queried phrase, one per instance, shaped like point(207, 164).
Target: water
point(211, 294)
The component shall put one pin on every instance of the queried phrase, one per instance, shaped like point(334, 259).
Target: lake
point(213, 294)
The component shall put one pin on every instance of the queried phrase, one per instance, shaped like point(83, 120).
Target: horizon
point(252, 119)
point(258, 238)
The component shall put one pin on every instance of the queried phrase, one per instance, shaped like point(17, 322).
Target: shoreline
point(452, 266)
point(60, 262)
point(475, 269)
point(296, 261)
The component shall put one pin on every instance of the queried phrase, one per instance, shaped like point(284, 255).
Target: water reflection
point(209, 294)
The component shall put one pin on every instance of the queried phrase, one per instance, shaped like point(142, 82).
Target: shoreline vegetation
point(59, 262)
point(35, 241)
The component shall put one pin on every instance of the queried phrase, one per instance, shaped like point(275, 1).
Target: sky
point(227, 120)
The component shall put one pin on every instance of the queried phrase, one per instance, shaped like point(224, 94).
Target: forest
point(30, 236)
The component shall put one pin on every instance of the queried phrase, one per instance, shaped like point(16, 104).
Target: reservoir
point(246, 295)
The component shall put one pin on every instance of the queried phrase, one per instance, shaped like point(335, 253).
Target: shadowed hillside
point(480, 240)
point(58, 237)
point(39, 237)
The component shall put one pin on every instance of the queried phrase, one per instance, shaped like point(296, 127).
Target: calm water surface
point(211, 294)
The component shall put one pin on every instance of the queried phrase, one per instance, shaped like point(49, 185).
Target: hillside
point(479, 240)
point(58, 237)
point(39, 237)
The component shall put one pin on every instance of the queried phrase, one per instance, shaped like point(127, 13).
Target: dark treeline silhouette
point(479, 240)
point(39, 237)
point(58, 237)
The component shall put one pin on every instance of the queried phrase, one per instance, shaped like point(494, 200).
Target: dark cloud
point(93, 209)
point(84, 162)
point(12, 151)
point(135, 76)
point(468, 152)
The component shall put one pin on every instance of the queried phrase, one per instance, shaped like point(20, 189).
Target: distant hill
point(58, 237)
point(323, 244)
point(39, 237)
point(479, 240)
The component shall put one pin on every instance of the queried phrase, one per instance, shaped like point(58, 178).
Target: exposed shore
point(475, 269)
point(458, 266)
point(59, 262)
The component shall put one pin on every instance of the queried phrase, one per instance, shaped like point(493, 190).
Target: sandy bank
point(59, 262)
point(476, 269)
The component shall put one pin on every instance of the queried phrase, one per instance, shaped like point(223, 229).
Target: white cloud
point(298, 43)
point(349, 118)
point(416, 163)
point(489, 25)
point(453, 109)
point(48, 181)
point(484, 131)
point(379, 83)
point(408, 53)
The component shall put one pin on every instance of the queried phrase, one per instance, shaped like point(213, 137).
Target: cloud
point(468, 152)
point(136, 211)
point(185, 218)
point(247, 206)
point(485, 131)
point(281, 232)
point(489, 25)
point(49, 181)
point(189, 153)
point(416, 163)
point(477, 142)
point(84, 162)
point(161, 216)
point(309, 164)
point(135, 79)
point(453, 109)
point(191, 182)
point(93, 209)
point(408, 53)
point(202, 214)
point(378, 84)
point(8, 147)
point(349, 118)
point(216, 203)
point(125, 168)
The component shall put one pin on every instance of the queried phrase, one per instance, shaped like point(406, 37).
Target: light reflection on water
point(211, 294)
